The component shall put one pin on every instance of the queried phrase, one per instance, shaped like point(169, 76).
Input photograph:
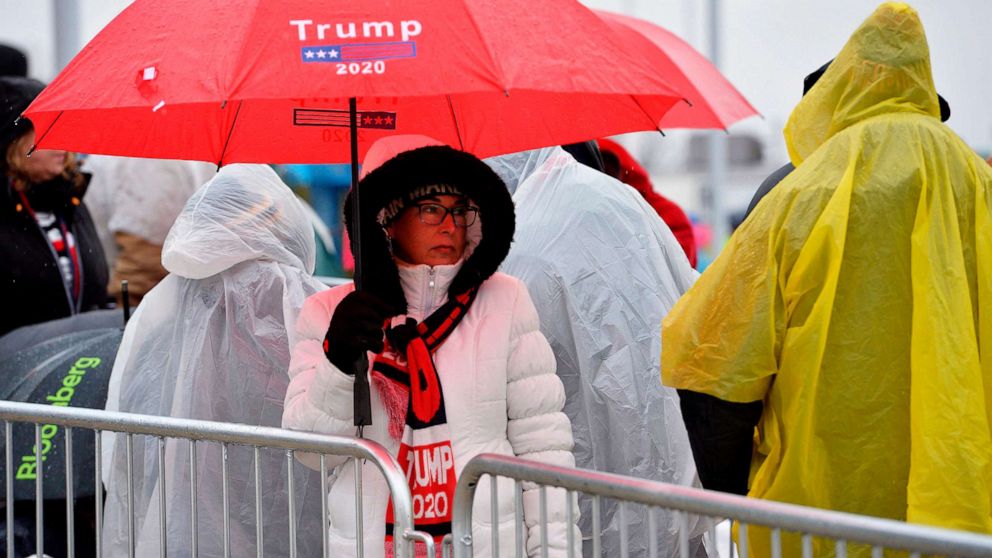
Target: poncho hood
point(884, 68)
point(244, 213)
point(515, 168)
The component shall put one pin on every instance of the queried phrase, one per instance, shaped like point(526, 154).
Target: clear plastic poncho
point(603, 270)
point(210, 342)
point(856, 302)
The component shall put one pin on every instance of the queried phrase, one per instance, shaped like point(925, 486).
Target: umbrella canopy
point(30, 335)
point(69, 370)
point(713, 101)
point(270, 80)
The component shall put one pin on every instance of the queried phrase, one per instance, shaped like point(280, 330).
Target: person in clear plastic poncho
point(855, 305)
point(210, 342)
point(603, 269)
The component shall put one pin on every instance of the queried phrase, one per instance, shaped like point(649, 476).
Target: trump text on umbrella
point(356, 58)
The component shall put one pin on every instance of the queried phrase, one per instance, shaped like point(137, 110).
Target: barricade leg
point(163, 543)
point(98, 489)
point(70, 511)
point(9, 462)
point(39, 499)
point(194, 525)
point(292, 503)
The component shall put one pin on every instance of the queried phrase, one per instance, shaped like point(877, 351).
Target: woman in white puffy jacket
point(461, 368)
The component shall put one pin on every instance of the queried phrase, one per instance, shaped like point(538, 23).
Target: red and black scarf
point(55, 227)
point(409, 385)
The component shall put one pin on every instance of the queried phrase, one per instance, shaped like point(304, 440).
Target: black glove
point(355, 327)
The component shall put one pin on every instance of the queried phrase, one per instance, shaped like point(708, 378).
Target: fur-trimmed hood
point(422, 167)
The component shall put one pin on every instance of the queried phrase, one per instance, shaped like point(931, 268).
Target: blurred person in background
point(587, 153)
point(51, 262)
point(210, 342)
point(850, 316)
point(323, 188)
point(134, 203)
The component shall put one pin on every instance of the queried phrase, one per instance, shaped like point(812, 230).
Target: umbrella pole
point(125, 302)
point(362, 400)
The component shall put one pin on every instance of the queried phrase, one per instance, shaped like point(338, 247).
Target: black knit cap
point(16, 93)
point(417, 168)
point(13, 61)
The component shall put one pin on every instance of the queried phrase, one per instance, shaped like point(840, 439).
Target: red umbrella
point(310, 81)
point(270, 80)
point(715, 103)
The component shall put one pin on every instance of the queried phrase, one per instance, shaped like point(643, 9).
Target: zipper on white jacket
point(429, 307)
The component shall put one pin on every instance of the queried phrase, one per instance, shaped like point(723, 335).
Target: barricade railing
point(47, 419)
point(837, 529)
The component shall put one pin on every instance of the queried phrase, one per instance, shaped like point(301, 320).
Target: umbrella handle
point(362, 399)
point(125, 301)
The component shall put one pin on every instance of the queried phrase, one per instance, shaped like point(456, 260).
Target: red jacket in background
point(632, 173)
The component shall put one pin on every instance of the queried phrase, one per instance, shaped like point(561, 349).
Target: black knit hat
point(16, 93)
point(396, 206)
point(410, 171)
point(13, 61)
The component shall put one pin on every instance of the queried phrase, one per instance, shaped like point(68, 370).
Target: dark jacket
point(31, 284)
point(766, 186)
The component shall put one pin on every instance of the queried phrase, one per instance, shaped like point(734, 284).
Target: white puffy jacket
point(501, 395)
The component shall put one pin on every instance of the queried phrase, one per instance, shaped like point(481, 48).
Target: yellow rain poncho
point(856, 301)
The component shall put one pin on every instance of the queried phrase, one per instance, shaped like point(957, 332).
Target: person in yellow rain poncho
point(852, 312)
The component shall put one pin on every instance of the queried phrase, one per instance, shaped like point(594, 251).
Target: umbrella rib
point(230, 132)
point(50, 126)
point(648, 114)
point(458, 132)
point(488, 49)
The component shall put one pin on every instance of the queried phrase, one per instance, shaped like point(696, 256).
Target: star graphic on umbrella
point(368, 119)
point(333, 53)
point(378, 120)
point(389, 120)
point(308, 54)
point(321, 53)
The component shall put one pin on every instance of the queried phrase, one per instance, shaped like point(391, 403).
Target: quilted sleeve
point(319, 397)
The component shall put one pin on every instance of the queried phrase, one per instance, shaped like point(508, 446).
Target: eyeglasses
point(435, 214)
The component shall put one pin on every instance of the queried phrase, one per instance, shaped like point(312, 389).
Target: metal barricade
point(47, 420)
point(835, 533)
